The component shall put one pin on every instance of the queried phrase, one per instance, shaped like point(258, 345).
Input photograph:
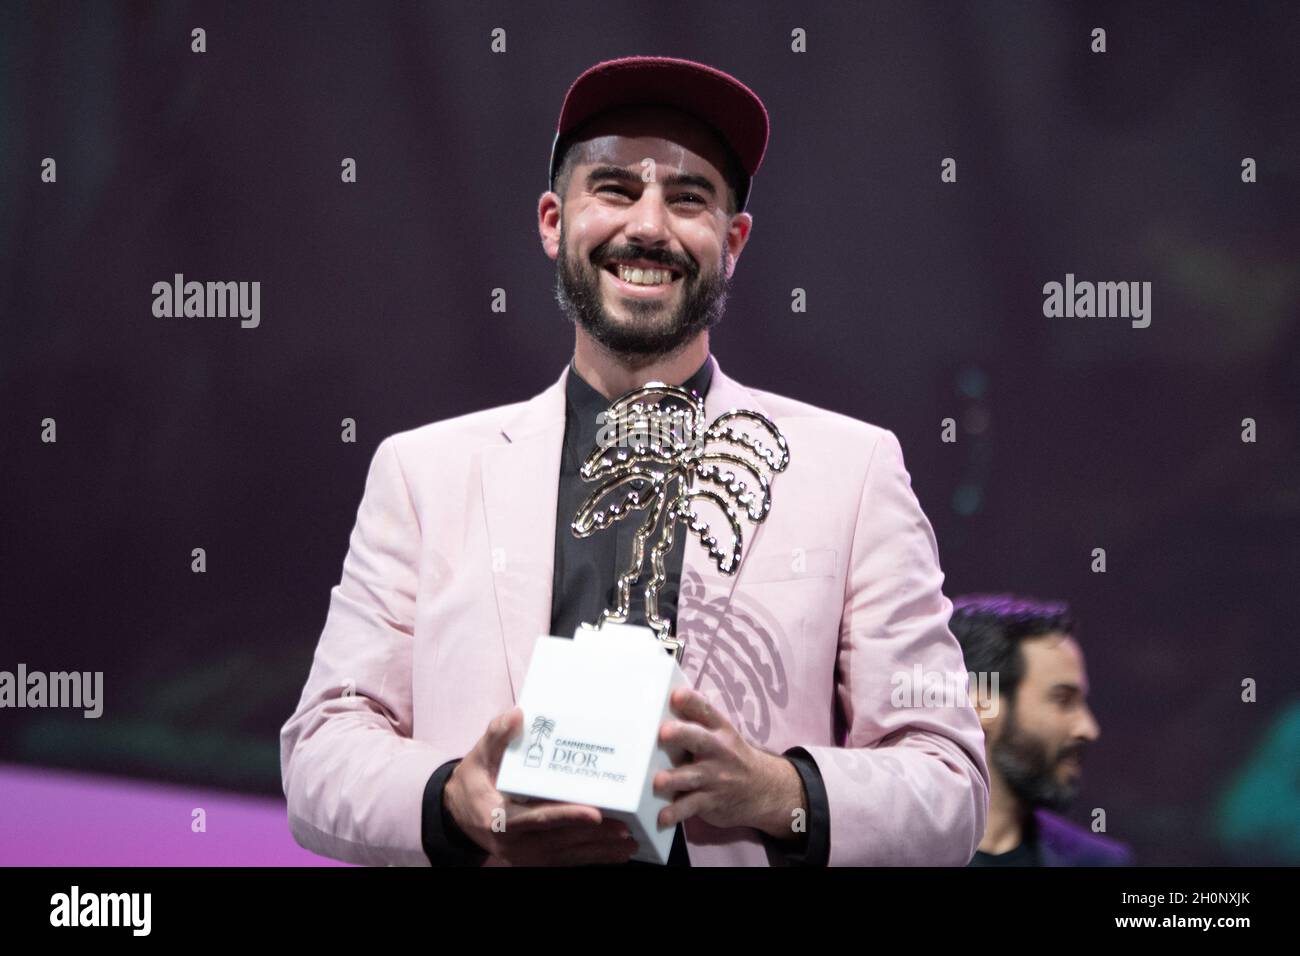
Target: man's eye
point(694, 198)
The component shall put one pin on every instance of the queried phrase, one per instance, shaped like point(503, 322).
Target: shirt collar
point(586, 403)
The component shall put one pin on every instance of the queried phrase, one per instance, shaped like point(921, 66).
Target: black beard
point(1029, 772)
point(651, 334)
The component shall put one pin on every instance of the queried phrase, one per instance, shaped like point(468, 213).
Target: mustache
point(1071, 750)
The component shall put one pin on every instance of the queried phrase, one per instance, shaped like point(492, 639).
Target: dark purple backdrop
point(924, 301)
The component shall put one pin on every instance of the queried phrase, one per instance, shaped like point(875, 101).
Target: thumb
point(503, 729)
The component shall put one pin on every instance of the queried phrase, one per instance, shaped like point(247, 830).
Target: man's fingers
point(696, 739)
point(692, 705)
point(680, 780)
point(529, 817)
point(683, 808)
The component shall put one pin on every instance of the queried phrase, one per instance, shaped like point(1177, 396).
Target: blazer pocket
point(795, 564)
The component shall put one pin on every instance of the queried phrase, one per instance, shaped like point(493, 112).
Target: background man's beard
point(651, 330)
point(1029, 772)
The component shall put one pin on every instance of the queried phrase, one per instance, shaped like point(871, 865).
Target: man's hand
point(537, 833)
point(726, 781)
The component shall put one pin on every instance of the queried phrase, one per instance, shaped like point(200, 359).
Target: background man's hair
point(733, 175)
point(991, 627)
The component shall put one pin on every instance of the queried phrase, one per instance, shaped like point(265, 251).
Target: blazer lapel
point(705, 593)
point(521, 481)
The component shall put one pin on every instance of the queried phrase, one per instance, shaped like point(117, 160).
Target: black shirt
point(585, 579)
point(1026, 854)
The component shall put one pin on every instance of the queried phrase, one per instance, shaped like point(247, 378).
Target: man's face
point(646, 193)
point(1037, 744)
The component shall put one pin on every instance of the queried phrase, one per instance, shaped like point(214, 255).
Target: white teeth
point(644, 276)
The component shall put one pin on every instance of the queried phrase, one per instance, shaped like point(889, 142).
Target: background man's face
point(678, 226)
point(1037, 744)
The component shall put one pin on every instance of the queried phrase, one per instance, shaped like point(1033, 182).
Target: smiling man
point(461, 556)
point(644, 291)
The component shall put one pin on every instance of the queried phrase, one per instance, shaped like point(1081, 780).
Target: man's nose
point(1089, 729)
point(648, 219)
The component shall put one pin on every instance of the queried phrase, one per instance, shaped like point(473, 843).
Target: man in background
point(1036, 736)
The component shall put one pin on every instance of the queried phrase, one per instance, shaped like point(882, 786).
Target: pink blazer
point(447, 583)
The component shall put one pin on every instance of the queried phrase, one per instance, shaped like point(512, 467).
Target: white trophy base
point(592, 708)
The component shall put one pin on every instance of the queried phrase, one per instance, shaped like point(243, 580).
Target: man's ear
point(549, 210)
point(737, 235)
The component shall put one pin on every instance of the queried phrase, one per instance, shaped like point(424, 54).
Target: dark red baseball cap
point(716, 98)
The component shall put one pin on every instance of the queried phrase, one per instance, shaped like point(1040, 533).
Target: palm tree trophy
point(669, 448)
